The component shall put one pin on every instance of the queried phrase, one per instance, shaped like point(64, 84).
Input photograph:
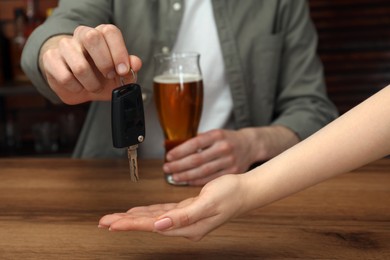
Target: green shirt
point(268, 46)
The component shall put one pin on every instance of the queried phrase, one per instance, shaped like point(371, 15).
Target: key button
point(165, 49)
point(176, 6)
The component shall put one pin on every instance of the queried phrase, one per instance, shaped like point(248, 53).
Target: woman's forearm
point(356, 138)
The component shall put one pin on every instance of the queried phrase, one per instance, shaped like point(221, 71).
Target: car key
point(128, 122)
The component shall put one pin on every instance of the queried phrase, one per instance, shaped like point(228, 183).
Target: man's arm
point(301, 102)
point(66, 17)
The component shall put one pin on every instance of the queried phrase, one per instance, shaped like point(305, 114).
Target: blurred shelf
point(17, 89)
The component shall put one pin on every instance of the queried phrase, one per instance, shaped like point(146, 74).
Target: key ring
point(134, 77)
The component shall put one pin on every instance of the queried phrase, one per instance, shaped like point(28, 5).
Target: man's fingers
point(75, 58)
point(200, 142)
point(135, 63)
point(95, 44)
point(58, 73)
point(117, 47)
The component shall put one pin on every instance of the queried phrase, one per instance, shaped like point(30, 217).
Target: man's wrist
point(268, 141)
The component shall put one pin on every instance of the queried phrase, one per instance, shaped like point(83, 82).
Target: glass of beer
point(178, 93)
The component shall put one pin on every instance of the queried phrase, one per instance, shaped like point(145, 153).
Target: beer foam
point(183, 78)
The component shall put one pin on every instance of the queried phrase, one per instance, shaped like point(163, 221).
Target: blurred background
point(354, 45)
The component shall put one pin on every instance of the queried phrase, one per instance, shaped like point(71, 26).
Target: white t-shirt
point(197, 33)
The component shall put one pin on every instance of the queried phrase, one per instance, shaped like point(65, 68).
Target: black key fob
point(127, 116)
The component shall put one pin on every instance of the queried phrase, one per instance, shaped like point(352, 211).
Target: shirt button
point(176, 6)
point(165, 49)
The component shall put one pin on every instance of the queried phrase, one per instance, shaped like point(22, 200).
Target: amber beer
point(178, 94)
point(179, 101)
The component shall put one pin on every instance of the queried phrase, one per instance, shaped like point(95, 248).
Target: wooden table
point(49, 209)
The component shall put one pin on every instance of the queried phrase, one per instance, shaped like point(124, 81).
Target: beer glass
point(178, 93)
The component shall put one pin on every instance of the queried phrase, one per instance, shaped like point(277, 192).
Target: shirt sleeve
point(66, 17)
point(302, 104)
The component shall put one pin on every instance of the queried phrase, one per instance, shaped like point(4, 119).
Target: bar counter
point(50, 207)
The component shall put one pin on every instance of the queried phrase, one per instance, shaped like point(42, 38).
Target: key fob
point(127, 116)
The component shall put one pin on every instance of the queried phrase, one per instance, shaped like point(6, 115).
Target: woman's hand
point(193, 218)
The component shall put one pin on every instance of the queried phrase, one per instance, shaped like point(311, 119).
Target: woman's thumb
point(163, 224)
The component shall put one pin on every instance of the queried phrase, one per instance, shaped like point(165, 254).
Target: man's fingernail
point(122, 69)
point(166, 169)
point(111, 75)
point(169, 157)
point(163, 224)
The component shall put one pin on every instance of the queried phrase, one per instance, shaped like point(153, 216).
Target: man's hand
point(219, 152)
point(86, 66)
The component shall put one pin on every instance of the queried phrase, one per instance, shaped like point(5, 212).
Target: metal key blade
point(133, 163)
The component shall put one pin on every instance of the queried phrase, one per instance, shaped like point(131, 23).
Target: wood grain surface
point(49, 209)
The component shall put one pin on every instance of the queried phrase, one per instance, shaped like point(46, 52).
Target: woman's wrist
point(253, 190)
